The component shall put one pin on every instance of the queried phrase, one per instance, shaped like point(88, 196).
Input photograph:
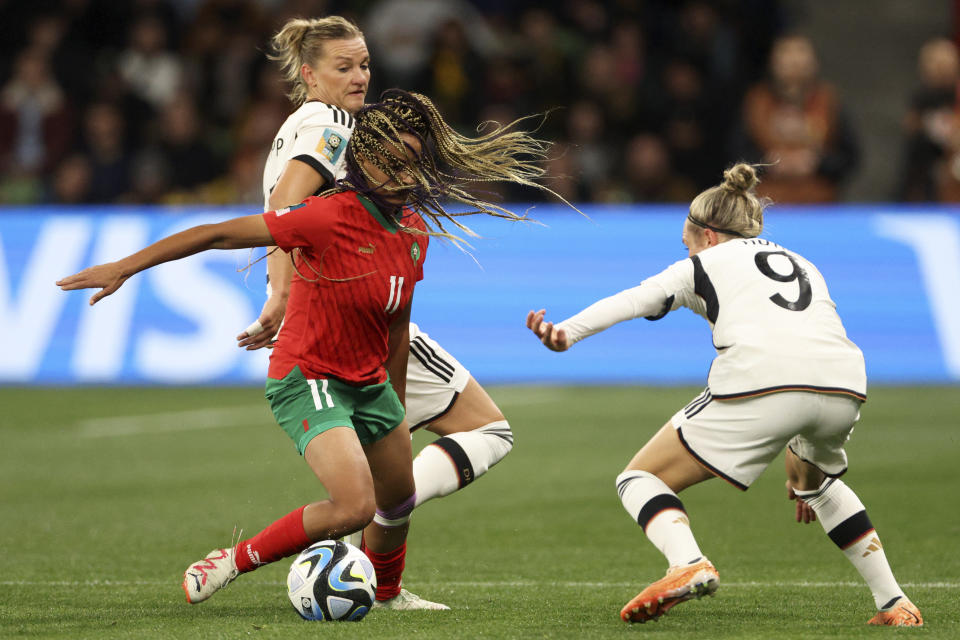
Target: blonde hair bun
point(740, 177)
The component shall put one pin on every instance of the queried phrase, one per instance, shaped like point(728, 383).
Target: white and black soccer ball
point(332, 580)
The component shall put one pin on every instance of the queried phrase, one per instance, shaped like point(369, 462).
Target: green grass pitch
point(107, 494)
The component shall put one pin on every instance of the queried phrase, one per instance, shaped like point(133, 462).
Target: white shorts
point(434, 379)
point(737, 439)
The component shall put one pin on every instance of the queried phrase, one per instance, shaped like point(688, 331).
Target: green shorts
point(307, 408)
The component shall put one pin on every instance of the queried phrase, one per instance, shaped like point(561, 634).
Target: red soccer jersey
point(364, 267)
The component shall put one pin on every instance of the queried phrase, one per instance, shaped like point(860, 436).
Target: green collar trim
point(387, 223)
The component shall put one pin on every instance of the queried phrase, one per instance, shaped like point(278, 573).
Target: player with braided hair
point(327, 65)
point(785, 375)
point(336, 382)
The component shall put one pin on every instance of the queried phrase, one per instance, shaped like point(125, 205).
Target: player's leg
point(648, 490)
point(732, 439)
point(338, 461)
point(317, 416)
point(385, 538)
point(840, 511)
point(445, 399)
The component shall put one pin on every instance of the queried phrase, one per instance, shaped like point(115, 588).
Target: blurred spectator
point(189, 159)
point(648, 174)
point(449, 75)
point(152, 72)
point(71, 182)
point(794, 121)
point(931, 127)
point(399, 33)
point(589, 153)
point(106, 153)
point(35, 123)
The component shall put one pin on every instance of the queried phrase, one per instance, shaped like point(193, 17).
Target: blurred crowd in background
point(174, 101)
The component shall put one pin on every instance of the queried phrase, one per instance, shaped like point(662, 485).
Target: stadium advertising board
point(893, 272)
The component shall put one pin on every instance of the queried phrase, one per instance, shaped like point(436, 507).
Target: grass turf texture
point(99, 518)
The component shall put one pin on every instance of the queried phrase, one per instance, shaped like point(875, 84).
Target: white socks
point(845, 520)
point(452, 462)
point(660, 514)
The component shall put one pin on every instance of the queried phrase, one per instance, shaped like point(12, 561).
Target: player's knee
point(391, 516)
point(356, 516)
point(802, 475)
point(474, 452)
point(500, 437)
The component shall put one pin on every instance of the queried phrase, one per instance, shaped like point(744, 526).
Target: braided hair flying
point(450, 166)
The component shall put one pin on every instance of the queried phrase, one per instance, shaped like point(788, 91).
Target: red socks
point(389, 569)
point(283, 538)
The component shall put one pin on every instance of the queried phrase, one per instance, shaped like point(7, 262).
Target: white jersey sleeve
point(652, 299)
point(315, 134)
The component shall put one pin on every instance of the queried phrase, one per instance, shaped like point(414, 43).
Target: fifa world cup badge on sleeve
point(331, 145)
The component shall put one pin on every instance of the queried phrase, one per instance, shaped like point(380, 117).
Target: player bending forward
point(785, 376)
point(328, 67)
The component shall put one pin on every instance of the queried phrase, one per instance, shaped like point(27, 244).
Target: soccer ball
point(332, 580)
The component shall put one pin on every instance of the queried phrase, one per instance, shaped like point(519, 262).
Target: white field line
point(174, 421)
point(491, 584)
point(217, 418)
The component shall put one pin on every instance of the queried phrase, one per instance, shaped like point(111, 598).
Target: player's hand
point(805, 513)
point(107, 277)
point(553, 338)
point(260, 333)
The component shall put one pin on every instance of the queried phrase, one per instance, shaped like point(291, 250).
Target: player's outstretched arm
point(238, 233)
point(554, 338)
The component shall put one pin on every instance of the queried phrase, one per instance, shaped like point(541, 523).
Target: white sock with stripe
point(659, 512)
point(845, 520)
point(452, 462)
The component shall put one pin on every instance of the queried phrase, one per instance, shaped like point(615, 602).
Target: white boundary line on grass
point(174, 421)
point(221, 417)
point(486, 584)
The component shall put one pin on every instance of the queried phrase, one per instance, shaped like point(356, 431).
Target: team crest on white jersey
point(330, 145)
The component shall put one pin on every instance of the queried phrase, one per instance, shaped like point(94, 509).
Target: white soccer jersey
point(775, 327)
point(317, 134)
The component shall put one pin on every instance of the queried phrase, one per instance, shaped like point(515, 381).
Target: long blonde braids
point(449, 164)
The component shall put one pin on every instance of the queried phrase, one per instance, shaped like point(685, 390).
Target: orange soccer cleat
point(902, 614)
point(679, 585)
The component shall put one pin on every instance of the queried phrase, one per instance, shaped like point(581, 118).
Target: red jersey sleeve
point(302, 225)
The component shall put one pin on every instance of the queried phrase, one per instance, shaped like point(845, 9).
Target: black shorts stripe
point(832, 476)
point(424, 423)
point(793, 387)
point(432, 355)
point(655, 506)
point(459, 459)
point(427, 363)
point(851, 530)
point(698, 404)
point(709, 467)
